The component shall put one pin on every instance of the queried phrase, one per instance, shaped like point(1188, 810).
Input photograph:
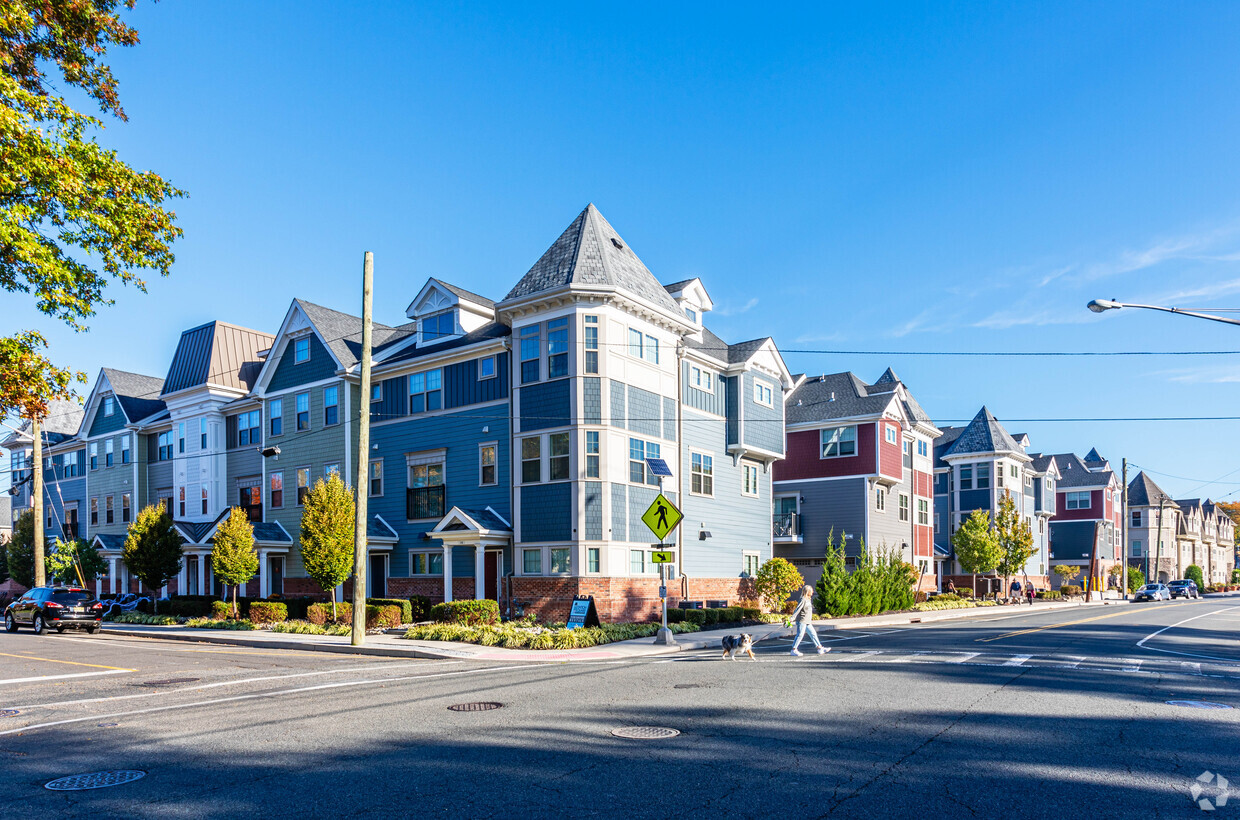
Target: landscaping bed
point(526, 635)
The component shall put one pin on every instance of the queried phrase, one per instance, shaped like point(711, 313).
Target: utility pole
point(360, 554)
point(36, 502)
point(1123, 537)
point(1162, 501)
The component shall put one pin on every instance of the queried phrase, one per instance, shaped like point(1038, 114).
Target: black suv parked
point(56, 608)
point(1184, 588)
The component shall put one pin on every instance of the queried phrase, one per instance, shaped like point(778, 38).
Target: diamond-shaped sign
point(662, 516)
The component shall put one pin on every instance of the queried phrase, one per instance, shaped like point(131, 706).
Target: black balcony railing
point(425, 502)
point(786, 525)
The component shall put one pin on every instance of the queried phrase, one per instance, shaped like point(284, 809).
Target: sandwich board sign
point(582, 613)
point(662, 516)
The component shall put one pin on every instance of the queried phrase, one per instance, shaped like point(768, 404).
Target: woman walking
point(803, 616)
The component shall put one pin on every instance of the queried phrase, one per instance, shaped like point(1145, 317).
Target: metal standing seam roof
point(217, 353)
point(591, 252)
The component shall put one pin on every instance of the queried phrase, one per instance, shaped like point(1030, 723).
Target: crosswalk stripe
point(1017, 660)
point(1191, 668)
point(1072, 664)
point(857, 657)
point(1131, 665)
point(964, 657)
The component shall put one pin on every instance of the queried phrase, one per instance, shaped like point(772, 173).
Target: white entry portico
point(487, 532)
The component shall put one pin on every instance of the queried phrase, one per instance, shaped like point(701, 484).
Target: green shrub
point(1068, 590)
point(750, 613)
point(675, 616)
point(1136, 579)
point(143, 618)
point(212, 623)
point(1049, 595)
point(321, 614)
point(420, 608)
point(467, 612)
point(512, 636)
point(711, 616)
point(1193, 573)
point(878, 583)
point(946, 596)
point(695, 616)
point(936, 604)
point(389, 616)
point(267, 612)
point(221, 610)
point(404, 604)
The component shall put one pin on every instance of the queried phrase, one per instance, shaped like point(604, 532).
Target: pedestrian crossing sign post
point(662, 516)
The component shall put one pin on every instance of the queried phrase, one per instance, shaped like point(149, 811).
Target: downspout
point(680, 461)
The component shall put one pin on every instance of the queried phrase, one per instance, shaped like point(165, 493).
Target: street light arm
point(1099, 305)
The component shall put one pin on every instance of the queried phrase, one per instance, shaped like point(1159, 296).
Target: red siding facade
point(890, 456)
point(1062, 513)
point(922, 484)
point(804, 458)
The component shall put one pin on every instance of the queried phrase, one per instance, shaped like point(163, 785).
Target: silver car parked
point(1152, 592)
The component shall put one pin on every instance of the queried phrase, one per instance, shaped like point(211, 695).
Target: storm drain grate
point(476, 706)
point(94, 780)
point(1198, 704)
point(644, 732)
point(167, 682)
point(9, 713)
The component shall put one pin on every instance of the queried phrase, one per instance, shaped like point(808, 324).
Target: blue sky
point(915, 177)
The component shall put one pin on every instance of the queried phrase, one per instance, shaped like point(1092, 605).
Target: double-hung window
point(559, 560)
point(331, 405)
point(125, 508)
point(637, 562)
point(107, 510)
point(983, 476)
point(204, 500)
point(1136, 549)
point(303, 411)
point(592, 454)
point(1078, 501)
point(94, 512)
point(701, 474)
point(301, 350)
point(426, 563)
point(94, 455)
point(635, 343)
point(303, 484)
point(486, 464)
point(165, 446)
point(966, 476)
point(891, 434)
point(426, 391)
point(903, 507)
point(375, 478)
point(749, 479)
point(531, 353)
point(639, 451)
point(108, 447)
point(125, 456)
point(880, 499)
point(247, 428)
point(839, 441)
point(591, 343)
point(531, 460)
point(923, 511)
point(763, 394)
point(109, 406)
point(277, 489)
point(700, 379)
point(558, 460)
point(439, 326)
point(276, 412)
point(426, 491)
point(332, 469)
point(557, 348)
point(923, 449)
point(651, 349)
point(1136, 518)
point(181, 502)
point(531, 562)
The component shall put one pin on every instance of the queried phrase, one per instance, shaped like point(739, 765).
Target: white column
point(480, 572)
point(263, 581)
point(202, 574)
point(183, 578)
point(447, 573)
point(112, 575)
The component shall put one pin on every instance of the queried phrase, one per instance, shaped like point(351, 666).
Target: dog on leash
point(734, 645)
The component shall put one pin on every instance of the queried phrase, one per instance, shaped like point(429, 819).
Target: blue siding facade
point(546, 404)
point(546, 512)
point(319, 366)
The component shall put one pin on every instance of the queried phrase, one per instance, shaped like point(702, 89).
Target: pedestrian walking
point(803, 617)
point(1029, 592)
point(1016, 591)
point(951, 588)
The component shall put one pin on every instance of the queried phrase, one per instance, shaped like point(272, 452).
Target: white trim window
point(923, 447)
point(639, 451)
point(966, 476)
point(923, 512)
point(590, 337)
point(593, 469)
point(376, 391)
point(891, 434)
point(109, 406)
point(700, 378)
point(248, 428)
point(425, 391)
point(303, 413)
point(530, 347)
point(301, 350)
point(904, 508)
point(1077, 500)
point(426, 562)
point(880, 499)
point(125, 454)
point(331, 405)
point(374, 479)
point(637, 562)
point(275, 410)
point(557, 347)
point(750, 485)
point(701, 474)
point(558, 458)
point(486, 368)
point(560, 560)
point(838, 442)
point(487, 463)
point(438, 326)
point(750, 563)
point(1136, 518)
point(763, 393)
point(108, 452)
point(983, 476)
point(332, 469)
point(94, 455)
point(531, 562)
point(531, 460)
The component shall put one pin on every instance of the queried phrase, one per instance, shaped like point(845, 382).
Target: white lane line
point(257, 695)
point(1016, 660)
point(964, 657)
point(1191, 667)
point(41, 678)
point(1141, 643)
point(240, 682)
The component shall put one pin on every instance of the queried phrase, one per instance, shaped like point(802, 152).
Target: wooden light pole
point(360, 554)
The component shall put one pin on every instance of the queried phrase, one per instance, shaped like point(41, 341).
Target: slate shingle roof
point(138, 395)
point(377, 528)
point(491, 330)
point(64, 418)
point(216, 353)
point(1143, 492)
point(1073, 472)
point(591, 252)
point(343, 333)
point(465, 295)
point(946, 438)
point(812, 401)
point(1041, 463)
point(1092, 457)
point(983, 435)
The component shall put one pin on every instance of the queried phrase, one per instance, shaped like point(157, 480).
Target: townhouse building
point(1205, 538)
point(64, 460)
point(974, 467)
point(858, 467)
point(508, 440)
point(1154, 529)
point(1087, 524)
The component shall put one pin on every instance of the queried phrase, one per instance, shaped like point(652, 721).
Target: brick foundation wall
point(432, 587)
point(966, 582)
point(622, 599)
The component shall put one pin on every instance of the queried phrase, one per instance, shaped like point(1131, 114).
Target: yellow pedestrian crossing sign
point(662, 516)
point(662, 557)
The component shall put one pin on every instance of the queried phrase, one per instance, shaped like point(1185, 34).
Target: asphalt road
point(1054, 714)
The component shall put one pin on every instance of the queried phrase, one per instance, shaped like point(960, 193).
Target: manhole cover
point(9, 712)
point(1198, 704)
point(644, 732)
point(167, 682)
point(477, 706)
point(94, 780)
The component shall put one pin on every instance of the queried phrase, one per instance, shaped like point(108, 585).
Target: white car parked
point(1152, 592)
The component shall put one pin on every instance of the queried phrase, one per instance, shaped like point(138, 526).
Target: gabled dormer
point(692, 298)
point(443, 311)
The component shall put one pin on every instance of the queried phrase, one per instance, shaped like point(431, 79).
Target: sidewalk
point(392, 645)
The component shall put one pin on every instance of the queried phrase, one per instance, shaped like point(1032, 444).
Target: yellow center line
point(71, 663)
point(1054, 626)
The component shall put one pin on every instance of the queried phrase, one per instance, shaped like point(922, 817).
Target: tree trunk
point(235, 613)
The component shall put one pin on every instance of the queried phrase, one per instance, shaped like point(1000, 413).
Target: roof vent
point(799, 402)
point(832, 396)
point(617, 243)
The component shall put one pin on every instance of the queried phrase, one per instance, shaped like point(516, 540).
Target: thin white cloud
point(921, 323)
point(817, 338)
point(737, 311)
point(1208, 374)
point(1189, 246)
point(1205, 292)
point(1016, 317)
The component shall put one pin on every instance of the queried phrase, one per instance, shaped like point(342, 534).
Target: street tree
point(327, 525)
point(1194, 574)
point(775, 581)
point(68, 557)
point(19, 551)
point(1015, 538)
point(153, 548)
point(1066, 573)
point(233, 557)
point(977, 546)
point(1136, 579)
